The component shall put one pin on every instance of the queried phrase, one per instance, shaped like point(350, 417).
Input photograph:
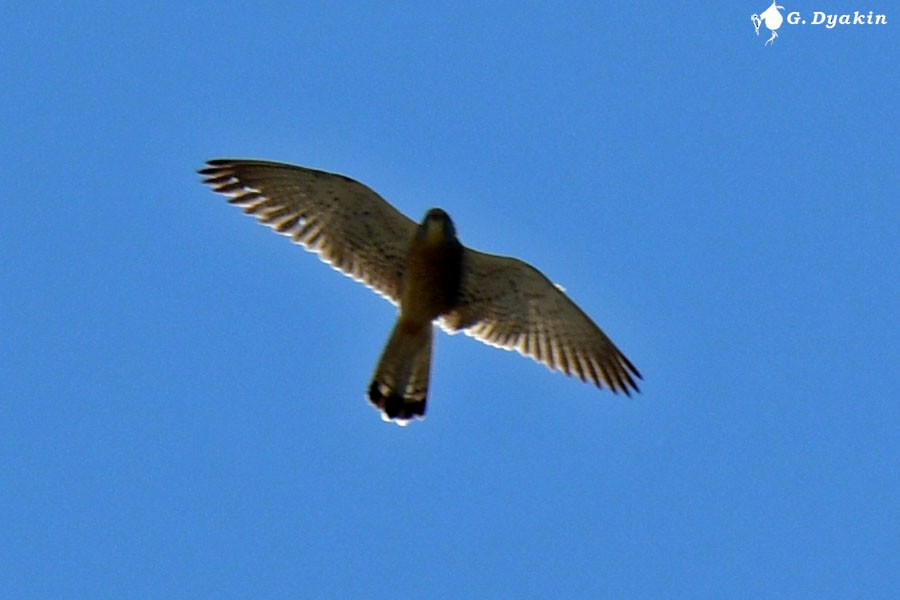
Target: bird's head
point(436, 227)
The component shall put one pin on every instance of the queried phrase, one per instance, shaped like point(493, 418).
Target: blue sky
point(183, 409)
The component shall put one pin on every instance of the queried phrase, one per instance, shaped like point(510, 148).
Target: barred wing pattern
point(509, 304)
point(347, 224)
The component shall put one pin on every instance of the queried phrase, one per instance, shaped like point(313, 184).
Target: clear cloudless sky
point(182, 392)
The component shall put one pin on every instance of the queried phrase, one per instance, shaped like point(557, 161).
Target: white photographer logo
point(773, 19)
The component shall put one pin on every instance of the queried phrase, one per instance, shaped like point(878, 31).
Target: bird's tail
point(400, 385)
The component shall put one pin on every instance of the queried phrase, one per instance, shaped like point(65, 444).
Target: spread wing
point(347, 224)
point(508, 303)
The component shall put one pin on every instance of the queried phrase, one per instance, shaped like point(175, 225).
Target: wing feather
point(346, 223)
point(507, 303)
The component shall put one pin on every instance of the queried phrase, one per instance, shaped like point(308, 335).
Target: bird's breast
point(431, 279)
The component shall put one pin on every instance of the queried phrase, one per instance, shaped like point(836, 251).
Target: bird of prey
point(428, 273)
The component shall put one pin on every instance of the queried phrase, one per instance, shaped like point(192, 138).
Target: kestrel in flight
point(428, 273)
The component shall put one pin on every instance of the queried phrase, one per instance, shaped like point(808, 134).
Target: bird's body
point(429, 274)
point(432, 271)
point(429, 289)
